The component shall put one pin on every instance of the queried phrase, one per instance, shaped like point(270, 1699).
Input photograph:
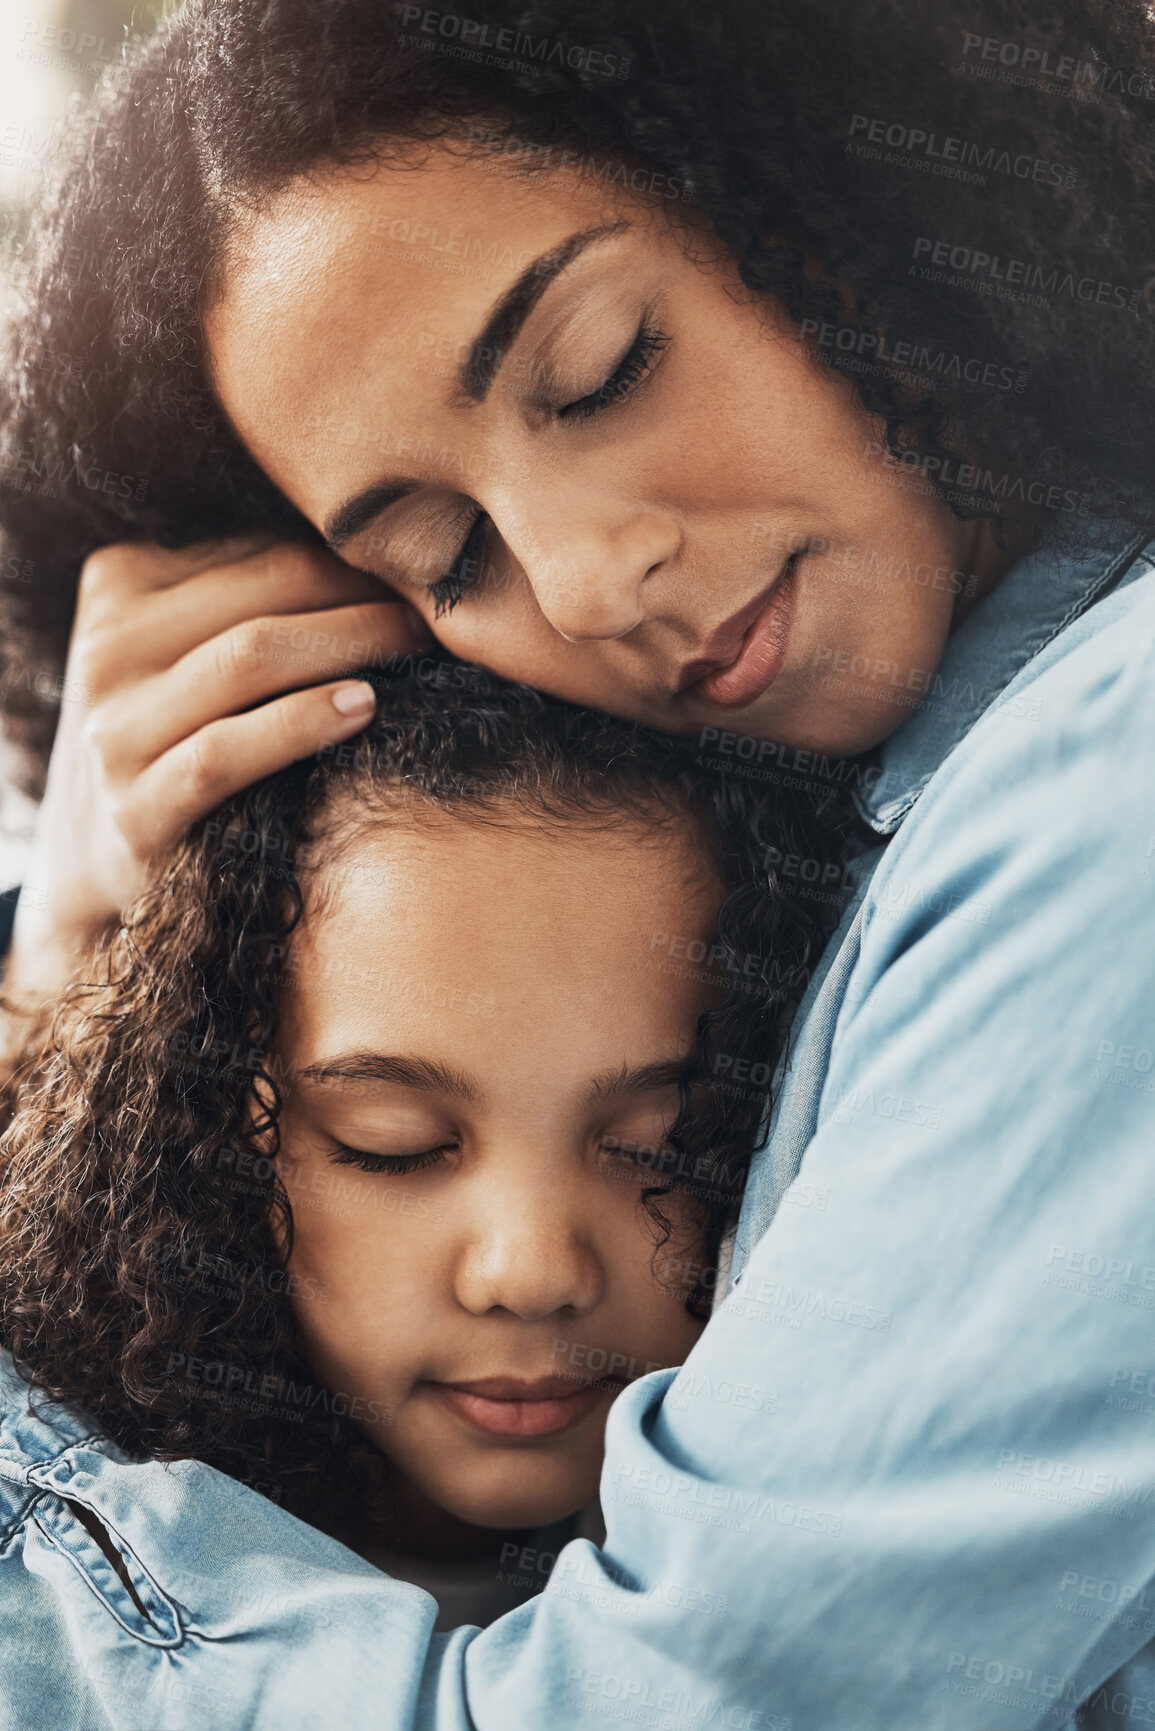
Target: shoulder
point(1020, 891)
point(1085, 693)
point(998, 1014)
point(1058, 775)
point(34, 1428)
point(130, 1591)
point(1118, 627)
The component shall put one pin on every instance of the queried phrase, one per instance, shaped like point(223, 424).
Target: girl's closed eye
point(637, 1155)
point(392, 1165)
point(635, 1143)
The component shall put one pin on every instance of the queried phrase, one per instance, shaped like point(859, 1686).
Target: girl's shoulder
point(36, 1430)
point(112, 1569)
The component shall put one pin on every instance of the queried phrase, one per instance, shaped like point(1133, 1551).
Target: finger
point(282, 582)
point(164, 567)
point(141, 566)
point(228, 755)
point(256, 660)
point(128, 625)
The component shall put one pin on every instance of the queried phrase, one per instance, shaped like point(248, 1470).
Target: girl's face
point(541, 396)
point(482, 1032)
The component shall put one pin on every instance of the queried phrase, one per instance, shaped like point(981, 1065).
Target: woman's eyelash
point(649, 342)
point(626, 376)
point(447, 591)
point(396, 1164)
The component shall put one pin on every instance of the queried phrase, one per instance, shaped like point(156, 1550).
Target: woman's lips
point(761, 654)
point(501, 1406)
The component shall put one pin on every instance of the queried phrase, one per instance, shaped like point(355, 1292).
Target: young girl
point(393, 1135)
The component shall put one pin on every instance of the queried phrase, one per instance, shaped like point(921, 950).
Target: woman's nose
point(588, 567)
point(529, 1255)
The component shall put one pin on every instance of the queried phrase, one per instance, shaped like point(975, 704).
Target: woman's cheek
point(504, 630)
point(497, 630)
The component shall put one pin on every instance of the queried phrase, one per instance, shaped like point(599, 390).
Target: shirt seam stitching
point(157, 1640)
point(1105, 581)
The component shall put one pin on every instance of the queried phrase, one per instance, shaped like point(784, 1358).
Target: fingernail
point(356, 698)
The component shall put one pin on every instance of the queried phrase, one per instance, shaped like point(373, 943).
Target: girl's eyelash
point(459, 579)
point(626, 376)
point(396, 1164)
point(651, 1156)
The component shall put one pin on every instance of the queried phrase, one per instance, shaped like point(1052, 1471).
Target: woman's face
point(540, 398)
point(482, 1033)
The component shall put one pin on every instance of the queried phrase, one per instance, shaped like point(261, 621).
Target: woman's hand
point(190, 675)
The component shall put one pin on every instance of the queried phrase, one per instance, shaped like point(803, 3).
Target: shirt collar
point(1037, 598)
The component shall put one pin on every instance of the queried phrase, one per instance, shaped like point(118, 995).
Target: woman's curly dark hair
point(979, 179)
point(143, 1219)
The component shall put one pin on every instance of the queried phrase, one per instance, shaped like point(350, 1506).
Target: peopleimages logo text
point(944, 147)
point(1020, 273)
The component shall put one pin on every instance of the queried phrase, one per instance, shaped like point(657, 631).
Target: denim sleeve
point(907, 1477)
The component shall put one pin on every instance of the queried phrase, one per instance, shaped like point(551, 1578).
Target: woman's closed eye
point(637, 362)
point(465, 571)
point(632, 368)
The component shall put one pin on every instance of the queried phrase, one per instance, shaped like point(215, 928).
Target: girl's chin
point(461, 1516)
point(513, 1506)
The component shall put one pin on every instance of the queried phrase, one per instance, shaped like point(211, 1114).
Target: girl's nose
point(529, 1253)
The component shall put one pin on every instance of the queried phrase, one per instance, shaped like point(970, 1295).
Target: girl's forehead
point(425, 850)
point(556, 927)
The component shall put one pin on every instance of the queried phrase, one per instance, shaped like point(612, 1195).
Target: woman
point(787, 384)
point(407, 1151)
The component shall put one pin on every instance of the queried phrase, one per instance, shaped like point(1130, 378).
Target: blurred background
point(52, 53)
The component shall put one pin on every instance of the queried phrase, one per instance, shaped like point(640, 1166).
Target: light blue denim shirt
point(906, 1479)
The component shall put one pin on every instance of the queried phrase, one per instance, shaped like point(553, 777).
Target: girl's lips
point(517, 1414)
point(763, 650)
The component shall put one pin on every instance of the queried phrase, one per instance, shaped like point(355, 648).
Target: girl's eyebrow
point(424, 1073)
point(640, 1079)
point(432, 1077)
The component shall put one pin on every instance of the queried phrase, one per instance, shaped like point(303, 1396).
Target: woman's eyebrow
point(477, 372)
point(509, 313)
point(640, 1079)
point(350, 518)
point(363, 1066)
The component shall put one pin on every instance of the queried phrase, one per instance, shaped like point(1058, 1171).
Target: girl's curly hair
point(978, 179)
point(145, 1228)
